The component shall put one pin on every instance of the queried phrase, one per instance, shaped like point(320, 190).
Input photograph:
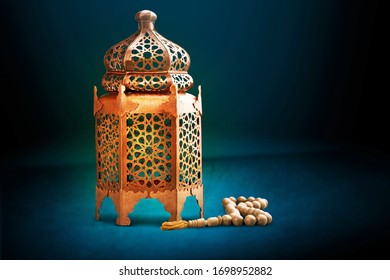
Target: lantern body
point(148, 129)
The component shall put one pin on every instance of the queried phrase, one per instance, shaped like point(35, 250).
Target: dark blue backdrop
point(271, 70)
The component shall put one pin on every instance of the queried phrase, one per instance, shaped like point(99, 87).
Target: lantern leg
point(169, 200)
point(198, 193)
point(100, 195)
point(125, 202)
point(181, 199)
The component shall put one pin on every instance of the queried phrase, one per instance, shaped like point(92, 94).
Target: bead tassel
point(174, 225)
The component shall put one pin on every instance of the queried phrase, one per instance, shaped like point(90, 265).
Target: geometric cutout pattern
point(180, 60)
point(149, 83)
point(113, 59)
point(190, 173)
point(107, 151)
point(111, 82)
point(148, 152)
point(146, 55)
point(183, 81)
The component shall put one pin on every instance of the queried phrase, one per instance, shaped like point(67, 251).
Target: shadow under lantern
point(148, 129)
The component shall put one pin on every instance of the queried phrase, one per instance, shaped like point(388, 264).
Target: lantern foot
point(125, 202)
point(198, 193)
point(123, 220)
point(100, 195)
point(181, 199)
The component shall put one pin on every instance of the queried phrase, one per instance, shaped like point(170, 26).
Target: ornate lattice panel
point(113, 59)
point(183, 81)
point(146, 55)
point(149, 152)
point(152, 83)
point(111, 82)
point(190, 173)
point(180, 60)
point(107, 151)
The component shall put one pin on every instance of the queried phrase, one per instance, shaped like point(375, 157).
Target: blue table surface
point(325, 205)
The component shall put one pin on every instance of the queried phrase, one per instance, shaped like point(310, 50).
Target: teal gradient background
point(294, 109)
point(272, 71)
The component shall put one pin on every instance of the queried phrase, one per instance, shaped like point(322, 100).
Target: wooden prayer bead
point(226, 220)
point(242, 203)
point(241, 199)
point(229, 208)
point(257, 212)
point(231, 203)
point(265, 203)
point(237, 220)
point(240, 206)
point(261, 219)
point(250, 220)
point(212, 222)
point(242, 211)
point(199, 223)
point(235, 212)
point(247, 211)
point(256, 204)
point(226, 201)
point(249, 204)
point(251, 199)
point(269, 217)
point(232, 198)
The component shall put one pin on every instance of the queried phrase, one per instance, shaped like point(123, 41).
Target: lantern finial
point(145, 19)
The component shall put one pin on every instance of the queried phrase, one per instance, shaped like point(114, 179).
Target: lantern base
point(125, 201)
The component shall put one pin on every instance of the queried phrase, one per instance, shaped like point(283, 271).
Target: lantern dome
point(146, 62)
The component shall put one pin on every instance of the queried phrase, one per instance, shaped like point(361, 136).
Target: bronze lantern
point(148, 128)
